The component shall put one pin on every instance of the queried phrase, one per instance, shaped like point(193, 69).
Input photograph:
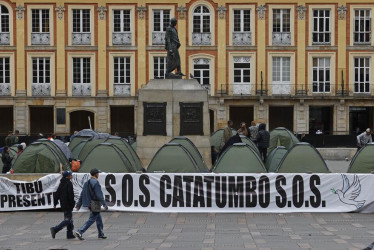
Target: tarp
point(191, 148)
point(282, 137)
point(216, 138)
point(250, 143)
point(302, 158)
point(173, 158)
point(206, 193)
point(274, 158)
point(239, 158)
point(108, 158)
point(40, 157)
point(363, 161)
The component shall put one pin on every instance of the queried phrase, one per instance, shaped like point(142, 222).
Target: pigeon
point(191, 76)
point(349, 193)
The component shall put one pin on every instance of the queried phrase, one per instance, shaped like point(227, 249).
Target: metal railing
point(4, 38)
point(40, 38)
point(158, 37)
point(41, 89)
point(81, 38)
point(4, 89)
point(122, 89)
point(281, 38)
point(121, 38)
point(242, 38)
point(202, 38)
point(81, 89)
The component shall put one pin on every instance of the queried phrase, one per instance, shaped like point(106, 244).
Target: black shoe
point(53, 232)
point(78, 235)
point(70, 237)
point(103, 237)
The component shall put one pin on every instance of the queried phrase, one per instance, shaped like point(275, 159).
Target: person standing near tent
point(243, 129)
point(14, 138)
point(65, 194)
point(227, 131)
point(93, 198)
point(253, 131)
point(263, 140)
point(8, 139)
point(364, 138)
point(6, 159)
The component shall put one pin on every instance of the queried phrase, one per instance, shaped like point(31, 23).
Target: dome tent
point(173, 158)
point(191, 148)
point(86, 134)
point(108, 158)
point(87, 148)
point(274, 158)
point(78, 148)
point(239, 158)
point(12, 153)
point(60, 147)
point(363, 161)
point(216, 138)
point(40, 157)
point(302, 158)
point(282, 137)
point(250, 143)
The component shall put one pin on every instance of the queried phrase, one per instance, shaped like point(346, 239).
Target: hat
point(20, 146)
point(94, 171)
point(368, 130)
point(66, 173)
point(23, 145)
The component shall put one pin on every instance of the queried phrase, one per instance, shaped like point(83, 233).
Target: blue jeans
point(94, 216)
point(67, 222)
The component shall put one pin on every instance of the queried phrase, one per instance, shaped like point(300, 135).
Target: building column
point(101, 50)
point(20, 40)
point(140, 15)
point(61, 14)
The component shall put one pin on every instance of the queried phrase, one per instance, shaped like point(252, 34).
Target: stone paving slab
point(30, 230)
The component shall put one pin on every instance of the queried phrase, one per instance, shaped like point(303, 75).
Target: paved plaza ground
point(30, 230)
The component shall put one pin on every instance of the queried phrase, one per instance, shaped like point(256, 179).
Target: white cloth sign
point(202, 193)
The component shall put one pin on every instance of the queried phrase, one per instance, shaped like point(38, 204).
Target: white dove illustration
point(349, 193)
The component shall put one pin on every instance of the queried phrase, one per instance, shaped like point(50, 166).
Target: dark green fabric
point(39, 158)
point(191, 148)
point(78, 148)
point(108, 158)
point(363, 161)
point(77, 139)
point(239, 158)
point(282, 137)
point(130, 153)
point(91, 144)
point(216, 138)
point(54, 147)
point(302, 158)
point(173, 158)
point(274, 158)
point(250, 143)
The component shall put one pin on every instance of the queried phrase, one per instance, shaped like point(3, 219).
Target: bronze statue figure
point(172, 45)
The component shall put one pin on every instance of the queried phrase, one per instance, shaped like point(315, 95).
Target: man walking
point(92, 195)
point(65, 194)
point(364, 138)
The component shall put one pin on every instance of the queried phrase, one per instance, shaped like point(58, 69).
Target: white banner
point(206, 193)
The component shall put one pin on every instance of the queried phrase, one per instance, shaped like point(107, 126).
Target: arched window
point(201, 19)
point(201, 34)
point(4, 26)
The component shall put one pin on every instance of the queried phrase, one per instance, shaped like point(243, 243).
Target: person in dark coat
point(234, 139)
point(65, 194)
point(263, 140)
point(7, 160)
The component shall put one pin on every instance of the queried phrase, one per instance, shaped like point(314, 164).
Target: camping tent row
point(241, 158)
point(180, 155)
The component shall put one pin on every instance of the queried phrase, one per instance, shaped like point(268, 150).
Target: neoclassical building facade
point(302, 64)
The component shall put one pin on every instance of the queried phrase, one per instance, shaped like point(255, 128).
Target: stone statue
point(172, 45)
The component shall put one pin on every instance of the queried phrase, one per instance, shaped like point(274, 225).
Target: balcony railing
point(81, 89)
point(321, 38)
point(122, 38)
point(242, 38)
point(281, 38)
point(81, 38)
point(122, 89)
point(158, 38)
point(40, 38)
point(4, 38)
point(41, 89)
point(202, 38)
point(4, 89)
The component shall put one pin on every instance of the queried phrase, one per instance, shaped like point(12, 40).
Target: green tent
point(302, 158)
point(363, 161)
point(192, 149)
point(78, 148)
point(216, 138)
point(88, 147)
point(239, 158)
point(250, 143)
point(108, 158)
point(12, 153)
point(133, 145)
point(173, 158)
point(282, 137)
point(61, 150)
point(126, 148)
point(40, 157)
point(274, 158)
point(77, 139)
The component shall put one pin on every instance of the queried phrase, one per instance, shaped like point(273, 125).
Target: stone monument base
point(168, 96)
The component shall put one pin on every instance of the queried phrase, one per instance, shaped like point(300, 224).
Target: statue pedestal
point(168, 108)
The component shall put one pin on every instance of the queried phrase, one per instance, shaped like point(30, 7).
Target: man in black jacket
point(65, 194)
point(263, 140)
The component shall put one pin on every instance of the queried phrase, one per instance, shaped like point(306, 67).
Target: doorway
point(41, 120)
point(122, 120)
point(6, 123)
point(81, 120)
point(281, 117)
point(321, 119)
point(241, 114)
point(360, 118)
